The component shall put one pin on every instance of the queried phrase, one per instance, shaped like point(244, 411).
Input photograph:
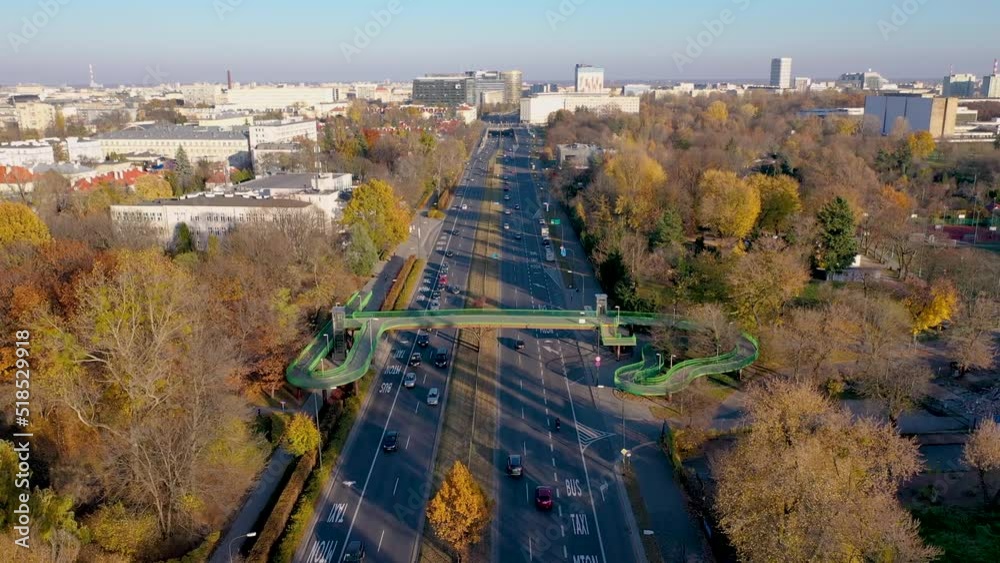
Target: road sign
point(557, 222)
point(562, 250)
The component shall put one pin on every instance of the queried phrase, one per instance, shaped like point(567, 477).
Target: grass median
point(410, 285)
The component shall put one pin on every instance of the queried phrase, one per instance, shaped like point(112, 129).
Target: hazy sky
point(136, 42)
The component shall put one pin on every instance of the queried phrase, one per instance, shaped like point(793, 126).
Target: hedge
point(435, 214)
point(306, 506)
point(199, 554)
point(276, 522)
point(397, 286)
point(412, 280)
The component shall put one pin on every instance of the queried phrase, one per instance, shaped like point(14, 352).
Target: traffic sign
point(557, 221)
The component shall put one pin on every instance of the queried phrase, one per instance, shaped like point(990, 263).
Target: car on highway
point(391, 441)
point(506, 226)
point(450, 253)
point(506, 211)
point(433, 396)
point(519, 345)
point(518, 236)
point(456, 232)
point(455, 290)
point(443, 279)
point(423, 340)
point(415, 359)
point(543, 498)
point(541, 221)
point(355, 552)
point(435, 305)
point(514, 467)
point(410, 380)
point(441, 358)
point(546, 242)
point(506, 197)
point(465, 207)
point(517, 206)
point(436, 295)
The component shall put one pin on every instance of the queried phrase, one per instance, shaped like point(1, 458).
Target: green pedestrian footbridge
point(365, 329)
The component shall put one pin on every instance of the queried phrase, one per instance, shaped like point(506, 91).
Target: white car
point(506, 226)
point(435, 305)
point(465, 207)
point(433, 396)
point(410, 380)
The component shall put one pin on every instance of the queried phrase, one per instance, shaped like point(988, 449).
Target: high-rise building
point(781, 73)
point(991, 83)
point(589, 79)
point(960, 85)
point(513, 84)
point(447, 90)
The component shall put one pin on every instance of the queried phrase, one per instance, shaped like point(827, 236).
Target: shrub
point(118, 530)
point(200, 554)
point(435, 214)
point(302, 435)
point(276, 522)
point(397, 287)
point(412, 280)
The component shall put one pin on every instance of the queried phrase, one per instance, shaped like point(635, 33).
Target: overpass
point(646, 377)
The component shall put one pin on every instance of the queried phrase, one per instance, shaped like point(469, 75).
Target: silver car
point(432, 396)
point(410, 380)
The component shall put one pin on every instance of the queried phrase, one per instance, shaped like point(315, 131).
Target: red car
point(543, 498)
point(443, 280)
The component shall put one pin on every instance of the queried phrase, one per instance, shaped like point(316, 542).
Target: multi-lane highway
point(379, 497)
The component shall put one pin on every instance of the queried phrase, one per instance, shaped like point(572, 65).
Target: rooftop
point(171, 132)
point(283, 182)
point(223, 201)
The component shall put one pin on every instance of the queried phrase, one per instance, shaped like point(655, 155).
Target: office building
point(35, 116)
point(960, 86)
point(536, 109)
point(213, 144)
point(589, 79)
point(365, 91)
point(991, 83)
point(781, 73)
point(636, 89)
point(26, 154)
point(935, 115)
point(513, 85)
point(868, 80)
point(268, 98)
point(282, 131)
point(446, 90)
point(201, 94)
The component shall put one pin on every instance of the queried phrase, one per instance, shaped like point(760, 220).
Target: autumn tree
point(636, 177)
point(921, 145)
point(150, 187)
point(805, 342)
point(822, 484)
point(375, 205)
point(836, 245)
point(929, 307)
point(362, 255)
point(982, 453)
point(779, 201)
point(301, 436)
point(713, 331)
point(970, 339)
point(460, 512)
point(727, 204)
point(18, 223)
point(762, 281)
point(717, 112)
point(899, 381)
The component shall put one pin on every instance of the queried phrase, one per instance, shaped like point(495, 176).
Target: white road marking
point(416, 408)
point(380, 541)
point(337, 513)
point(407, 446)
point(394, 487)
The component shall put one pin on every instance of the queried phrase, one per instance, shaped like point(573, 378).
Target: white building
point(200, 143)
point(537, 109)
point(781, 73)
point(365, 90)
point(636, 89)
point(282, 131)
point(935, 115)
point(226, 120)
point(467, 114)
point(79, 149)
point(991, 86)
point(589, 79)
point(267, 98)
point(26, 154)
point(201, 94)
point(35, 116)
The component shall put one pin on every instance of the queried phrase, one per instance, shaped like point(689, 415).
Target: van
point(441, 358)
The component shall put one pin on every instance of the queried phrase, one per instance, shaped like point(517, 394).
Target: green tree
point(362, 255)
point(183, 240)
point(460, 512)
point(152, 187)
point(301, 436)
point(375, 205)
point(183, 172)
point(836, 245)
point(18, 223)
point(668, 231)
point(727, 204)
point(55, 522)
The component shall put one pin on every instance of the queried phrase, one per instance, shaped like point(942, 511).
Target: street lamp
point(672, 356)
point(249, 535)
point(659, 360)
point(618, 320)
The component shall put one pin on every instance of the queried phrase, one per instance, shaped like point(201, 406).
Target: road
point(546, 380)
point(377, 497)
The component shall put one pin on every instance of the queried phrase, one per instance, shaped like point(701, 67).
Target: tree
point(150, 187)
point(714, 332)
point(727, 204)
point(763, 280)
point(460, 512)
point(362, 255)
point(55, 522)
point(921, 145)
point(982, 452)
point(301, 436)
point(668, 231)
point(931, 307)
point(822, 484)
point(636, 177)
point(970, 340)
point(183, 172)
point(18, 223)
point(183, 240)
point(717, 112)
point(898, 381)
point(836, 245)
point(375, 205)
point(779, 201)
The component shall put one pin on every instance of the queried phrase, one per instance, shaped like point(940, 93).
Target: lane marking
point(407, 446)
point(380, 541)
point(394, 487)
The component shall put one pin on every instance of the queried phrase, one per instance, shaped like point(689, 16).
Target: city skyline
point(54, 42)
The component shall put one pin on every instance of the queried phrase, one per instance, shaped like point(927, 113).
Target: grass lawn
point(966, 535)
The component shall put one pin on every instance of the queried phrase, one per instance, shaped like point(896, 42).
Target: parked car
point(514, 467)
point(543, 498)
point(433, 396)
point(410, 380)
point(391, 441)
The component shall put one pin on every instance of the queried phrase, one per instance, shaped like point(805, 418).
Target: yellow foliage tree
point(301, 435)
point(779, 200)
point(921, 144)
point(727, 204)
point(18, 223)
point(636, 177)
point(929, 309)
point(717, 112)
point(151, 187)
point(460, 512)
point(376, 205)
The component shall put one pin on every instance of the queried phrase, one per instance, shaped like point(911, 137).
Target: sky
point(144, 42)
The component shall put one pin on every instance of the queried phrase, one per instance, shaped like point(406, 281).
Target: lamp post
point(672, 356)
point(231, 542)
point(659, 360)
point(618, 319)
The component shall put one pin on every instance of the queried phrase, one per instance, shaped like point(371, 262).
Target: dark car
point(391, 441)
point(519, 345)
point(441, 358)
point(543, 498)
point(514, 467)
point(517, 207)
point(450, 254)
point(415, 359)
point(518, 236)
point(423, 340)
point(354, 553)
